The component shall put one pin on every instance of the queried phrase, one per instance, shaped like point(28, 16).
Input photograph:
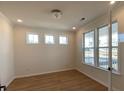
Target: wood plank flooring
point(71, 80)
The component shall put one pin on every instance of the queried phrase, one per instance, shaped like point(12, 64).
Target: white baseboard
point(7, 84)
point(115, 89)
point(101, 82)
point(21, 76)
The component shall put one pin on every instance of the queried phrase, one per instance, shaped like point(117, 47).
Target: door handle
point(110, 69)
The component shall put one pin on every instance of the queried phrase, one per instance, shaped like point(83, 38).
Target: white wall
point(6, 51)
point(95, 73)
point(42, 58)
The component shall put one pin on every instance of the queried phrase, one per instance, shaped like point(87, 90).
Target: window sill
point(32, 43)
point(116, 73)
point(63, 44)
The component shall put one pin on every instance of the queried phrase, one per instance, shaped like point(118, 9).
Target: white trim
point(66, 39)
point(115, 89)
point(50, 42)
point(113, 72)
point(21, 76)
point(101, 82)
point(33, 33)
point(8, 83)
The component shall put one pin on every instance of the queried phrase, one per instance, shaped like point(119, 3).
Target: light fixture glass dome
point(56, 13)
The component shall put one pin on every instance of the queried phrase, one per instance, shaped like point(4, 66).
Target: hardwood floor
point(71, 80)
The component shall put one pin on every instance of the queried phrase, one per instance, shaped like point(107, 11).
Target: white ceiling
point(38, 13)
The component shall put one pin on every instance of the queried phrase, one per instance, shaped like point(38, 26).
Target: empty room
point(61, 45)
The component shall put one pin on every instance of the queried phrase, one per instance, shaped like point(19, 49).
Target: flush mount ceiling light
point(73, 27)
point(56, 13)
point(19, 20)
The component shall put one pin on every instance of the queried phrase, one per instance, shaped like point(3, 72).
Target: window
point(49, 39)
point(89, 48)
point(32, 38)
point(63, 40)
point(115, 64)
point(101, 58)
point(103, 48)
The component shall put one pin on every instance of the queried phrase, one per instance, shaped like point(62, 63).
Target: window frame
point(66, 39)
point(83, 57)
point(118, 52)
point(45, 39)
point(33, 33)
point(96, 49)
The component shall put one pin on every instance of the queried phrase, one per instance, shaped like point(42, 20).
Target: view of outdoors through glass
point(89, 48)
point(32, 39)
point(103, 47)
